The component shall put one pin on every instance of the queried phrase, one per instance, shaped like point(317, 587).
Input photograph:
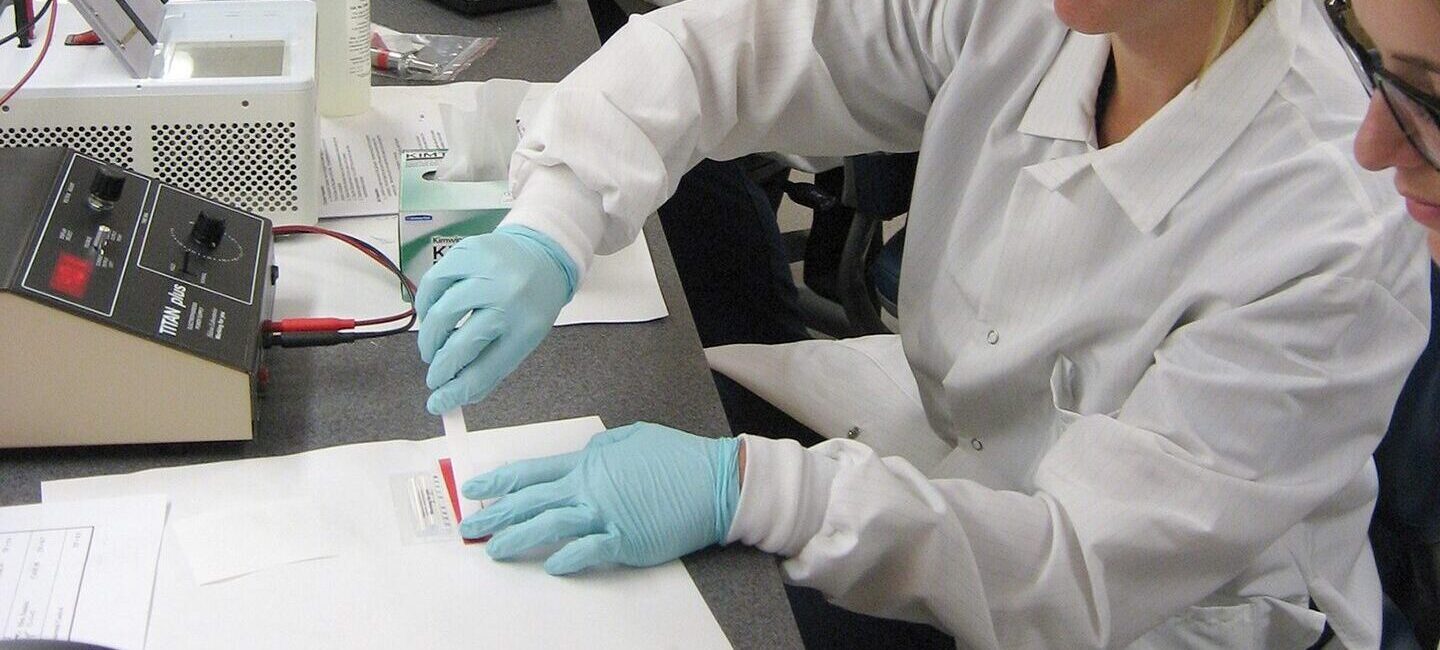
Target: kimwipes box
point(436, 214)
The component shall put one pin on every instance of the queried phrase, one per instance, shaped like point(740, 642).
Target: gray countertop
point(374, 390)
point(541, 43)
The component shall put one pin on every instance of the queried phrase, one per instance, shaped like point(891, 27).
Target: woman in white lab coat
point(1150, 328)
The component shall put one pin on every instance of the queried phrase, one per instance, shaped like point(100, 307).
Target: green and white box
point(434, 214)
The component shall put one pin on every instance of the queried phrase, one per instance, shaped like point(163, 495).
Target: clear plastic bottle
point(342, 56)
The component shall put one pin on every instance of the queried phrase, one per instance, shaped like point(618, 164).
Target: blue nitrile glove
point(638, 495)
point(514, 280)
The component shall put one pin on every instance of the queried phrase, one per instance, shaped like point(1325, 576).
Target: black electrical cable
point(390, 332)
point(33, 21)
point(34, 65)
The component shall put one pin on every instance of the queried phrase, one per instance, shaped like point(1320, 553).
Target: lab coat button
point(977, 445)
point(853, 433)
point(993, 337)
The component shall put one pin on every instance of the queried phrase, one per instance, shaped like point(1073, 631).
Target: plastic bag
point(424, 57)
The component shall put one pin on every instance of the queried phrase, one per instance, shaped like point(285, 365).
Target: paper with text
point(360, 155)
point(80, 571)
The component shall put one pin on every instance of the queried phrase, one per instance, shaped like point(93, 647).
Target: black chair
point(850, 272)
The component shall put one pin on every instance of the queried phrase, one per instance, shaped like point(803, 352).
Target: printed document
point(80, 571)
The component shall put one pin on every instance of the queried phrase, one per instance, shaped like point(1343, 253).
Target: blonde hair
point(1226, 12)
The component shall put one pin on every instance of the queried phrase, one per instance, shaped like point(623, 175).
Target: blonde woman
point(1152, 317)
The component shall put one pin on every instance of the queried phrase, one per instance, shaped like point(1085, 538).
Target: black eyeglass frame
point(1374, 75)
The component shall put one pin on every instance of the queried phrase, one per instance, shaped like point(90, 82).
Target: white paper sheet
point(231, 542)
point(383, 592)
point(619, 288)
point(80, 571)
point(320, 276)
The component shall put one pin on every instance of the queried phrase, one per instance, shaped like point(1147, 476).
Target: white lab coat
point(1139, 386)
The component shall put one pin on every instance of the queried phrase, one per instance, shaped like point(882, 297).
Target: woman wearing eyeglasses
point(1401, 131)
point(1395, 45)
point(1152, 317)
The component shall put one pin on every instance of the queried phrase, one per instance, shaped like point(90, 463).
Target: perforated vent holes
point(110, 143)
point(251, 165)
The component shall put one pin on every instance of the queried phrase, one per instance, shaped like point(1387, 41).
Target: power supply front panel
point(155, 261)
point(80, 256)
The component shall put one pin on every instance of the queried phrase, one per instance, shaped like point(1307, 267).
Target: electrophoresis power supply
point(131, 311)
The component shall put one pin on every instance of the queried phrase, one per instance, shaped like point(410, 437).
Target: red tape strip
point(447, 471)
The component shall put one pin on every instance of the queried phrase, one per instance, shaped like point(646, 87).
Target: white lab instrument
point(215, 97)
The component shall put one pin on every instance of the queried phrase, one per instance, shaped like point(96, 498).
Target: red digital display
point(71, 275)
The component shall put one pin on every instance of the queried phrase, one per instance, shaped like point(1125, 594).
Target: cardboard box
point(434, 215)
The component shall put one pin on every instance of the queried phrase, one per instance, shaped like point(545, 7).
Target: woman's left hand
point(638, 495)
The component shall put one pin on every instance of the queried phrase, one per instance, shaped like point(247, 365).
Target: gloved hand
point(638, 495)
point(514, 280)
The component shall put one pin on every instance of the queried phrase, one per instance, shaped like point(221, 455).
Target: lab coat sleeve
point(720, 79)
point(1248, 420)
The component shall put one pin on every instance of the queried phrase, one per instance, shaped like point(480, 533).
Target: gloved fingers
point(583, 553)
point(463, 346)
point(544, 529)
point(471, 384)
point(520, 474)
point(436, 281)
point(431, 287)
point(446, 311)
point(517, 507)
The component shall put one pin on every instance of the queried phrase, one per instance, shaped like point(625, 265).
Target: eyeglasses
point(1417, 112)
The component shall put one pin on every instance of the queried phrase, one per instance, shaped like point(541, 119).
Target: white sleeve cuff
point(783, 495)
point(553, 201)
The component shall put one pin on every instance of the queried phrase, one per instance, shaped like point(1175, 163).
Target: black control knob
point(208, 231)
point(105, 189)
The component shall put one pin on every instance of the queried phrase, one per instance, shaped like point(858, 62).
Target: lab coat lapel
point(1063, 107)
point(1150, 171)
point(1062, 111)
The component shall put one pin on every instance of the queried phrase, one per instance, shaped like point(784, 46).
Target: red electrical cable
point(49, 35)
point(383, 319)
point(365, 248)
point(337, 324)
